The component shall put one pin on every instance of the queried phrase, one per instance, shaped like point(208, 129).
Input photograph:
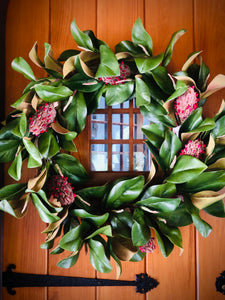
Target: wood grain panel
point(62, 14)
point(162, 19)
point(115, 20)
point(27, 22)
point(209, 37)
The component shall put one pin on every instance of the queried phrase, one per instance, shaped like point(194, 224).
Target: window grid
point(134, 141)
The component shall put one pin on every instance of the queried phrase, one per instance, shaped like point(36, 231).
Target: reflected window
point(117, 141)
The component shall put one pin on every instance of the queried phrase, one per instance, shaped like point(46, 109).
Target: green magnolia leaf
point(169, 50)
point(7, 208)
point(109, 65)
point(142, 92)
point(65, 144)
point(49, 93)
point(213, 180)
point(140, 234)
point(98, 257)
point(193, 121)
point(20, 65)
point(97, 220)
point(219, 130)
point(16, 167)
point(186, 168)
point(161, 190)
point(117, 94)
point(169, 148)
point(45, 215)
point(140, 37)
point(178, 217)
point(76, 113)
point(158, 204)
point(21, 129)
point(71, 168)
point(203, 227)
point(165, 245)
point(216, 209)
point(82, 39)
point(124, 192)
point(105, 230)
point(155, 133)
point(206, 125)
point(149, 113)
point(172, 233)
point(69, 261)
point(48, 145)
point(73, 239)
point(161, 77)
point(203, 76)
point(34, 159)
point(12, 191)
point(181, 88)
point(146, 64)
point(8, 149)
point(122, 223)
point(128, 46)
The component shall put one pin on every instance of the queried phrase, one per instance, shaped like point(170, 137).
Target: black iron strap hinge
point(11, 280)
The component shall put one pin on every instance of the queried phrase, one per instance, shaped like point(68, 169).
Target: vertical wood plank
point(162, 19)
point(27, 22)
point(115, 20)
point(62, 14)
point(209, 37)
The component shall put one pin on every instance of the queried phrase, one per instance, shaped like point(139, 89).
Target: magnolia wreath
point(116, 220)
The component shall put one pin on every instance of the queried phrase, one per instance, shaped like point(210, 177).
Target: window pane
point(99, 127)
point(99, 157)
point(141, 157)
point(120, 157)
point(139, 121)
point(120, 126)
point(102, 103)
point(122, 105)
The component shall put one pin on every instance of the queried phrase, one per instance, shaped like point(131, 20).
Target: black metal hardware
point(220, 283)
point(11, 280)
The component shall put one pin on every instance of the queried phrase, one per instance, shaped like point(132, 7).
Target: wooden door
point(188, 276)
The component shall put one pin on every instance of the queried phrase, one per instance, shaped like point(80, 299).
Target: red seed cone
point(61, 189)
point(125, 72)
point(194, 148)
point(42, 119)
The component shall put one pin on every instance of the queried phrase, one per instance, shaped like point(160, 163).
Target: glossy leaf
point(45, 215)
point(69, 261)
point(155, 133)
point(20, 65)
point(159, 204)
point(213, 180)
point(72, 240)
point(71, 168)
point(34, 159)
point(142, 92)
point(16, 167)
point(181, 88)
point(117, 94)
point(128, 46)
point(186, 168)
point(219, 130)
point(98, 257)
point(124, 192)
point(76, 113)
point(122, 223)
point(169, 49)
point(82, 39)
point(48, 145)
point(105, 230)
point(147, 63)
point(108, 63)
point(141, 37)
point(12, 191)
point(21, 129)
point(169, 148)
point(165, 245)
point(216, 209)
point(8, 149)
point(49, 93)
point(193, 121)
point(161, 77)
point(140, 234)
point(204, 198)
point(172, 233)
point(97, 220)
